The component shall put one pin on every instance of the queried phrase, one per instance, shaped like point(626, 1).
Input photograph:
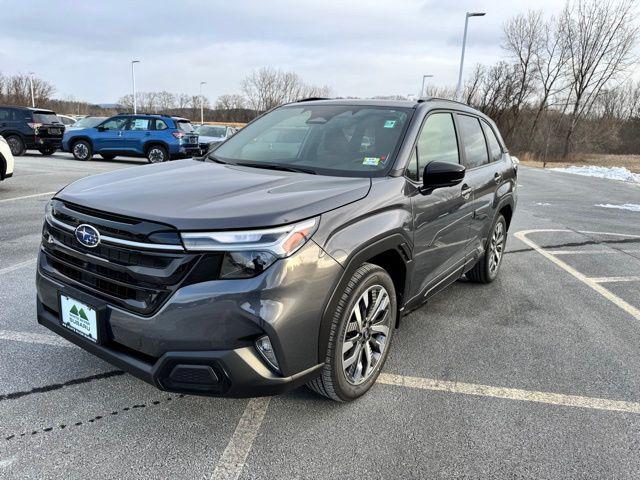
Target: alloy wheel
point(365, 337)
point(14, 145)
point(156, 155)
point(80, 150)
point(496, 247)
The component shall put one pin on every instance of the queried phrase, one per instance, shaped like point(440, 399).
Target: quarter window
point(475, 147)
point(495, 150)
point(160, 124)
point(437, 142)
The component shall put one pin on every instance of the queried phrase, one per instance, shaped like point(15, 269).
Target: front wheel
point(82, 150)
point(362, 326)
point(157, 154)
point(487, 268)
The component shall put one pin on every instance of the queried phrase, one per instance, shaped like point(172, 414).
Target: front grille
point(135, 279)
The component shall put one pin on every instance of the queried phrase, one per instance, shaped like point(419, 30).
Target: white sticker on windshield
point(389, 124)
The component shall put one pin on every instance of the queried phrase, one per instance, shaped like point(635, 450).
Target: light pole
point(133, 78)
point(33, 99)
point(464, 43)
point(202, 103)
point(424, 77)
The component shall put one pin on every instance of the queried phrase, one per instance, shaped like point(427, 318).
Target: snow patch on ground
point(627, 206)
point(613, 173)
point(542, 204)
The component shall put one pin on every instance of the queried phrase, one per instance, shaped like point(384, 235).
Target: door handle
point(497, 177)
point(148, 133)
point(466, 191)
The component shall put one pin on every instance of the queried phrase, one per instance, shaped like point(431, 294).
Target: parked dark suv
point(287, 255)
point(27, 128)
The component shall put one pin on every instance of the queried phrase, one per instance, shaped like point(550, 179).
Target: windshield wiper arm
point(213, 158)
point(277, 166)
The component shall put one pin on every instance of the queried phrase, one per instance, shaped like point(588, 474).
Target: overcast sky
point(358, 48)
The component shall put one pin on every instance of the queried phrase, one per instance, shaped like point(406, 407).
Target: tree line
point(562, 86)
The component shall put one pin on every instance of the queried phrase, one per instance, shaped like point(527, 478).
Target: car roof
point(32, 109)
point(428, 102)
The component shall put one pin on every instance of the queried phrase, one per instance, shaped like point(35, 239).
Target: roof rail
point(311, 99)
point(447, 100)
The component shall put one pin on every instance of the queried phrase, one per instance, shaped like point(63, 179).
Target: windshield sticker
point(371, 161)
point(390, 124)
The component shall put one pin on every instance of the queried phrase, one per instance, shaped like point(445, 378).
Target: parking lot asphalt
point(534, 376)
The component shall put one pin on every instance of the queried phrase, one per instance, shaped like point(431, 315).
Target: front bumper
point(235, 373)
point(212, 325)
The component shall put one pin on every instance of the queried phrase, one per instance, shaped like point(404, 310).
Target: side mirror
point(101, 128)
point(441, 174)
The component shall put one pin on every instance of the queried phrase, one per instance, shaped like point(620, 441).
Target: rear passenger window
point(437, 142)
point(495, 150)
point(472, 138)
point(139, 124)
point(5, 115)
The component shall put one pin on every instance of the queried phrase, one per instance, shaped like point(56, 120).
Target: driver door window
point(437, 142)
point(118, 123)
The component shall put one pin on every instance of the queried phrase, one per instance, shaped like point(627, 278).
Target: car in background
point(26, 128)
point(213, 134)
point(157, 137)
point(87, 122)
point(6, 160)
point(66, 120)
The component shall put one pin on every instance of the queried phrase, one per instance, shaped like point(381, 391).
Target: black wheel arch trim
point(397, 241)
point(150, 143)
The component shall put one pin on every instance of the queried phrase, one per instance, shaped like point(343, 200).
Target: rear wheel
point(46, 151)
point(361, 331)
point(108, 156)
point(487, 268)
point(82, 150)
point(157, 154)
point(16, 145)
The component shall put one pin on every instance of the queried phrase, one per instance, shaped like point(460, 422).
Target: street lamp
point(202, 103)
point(464, 43)
point(33, 99)
point(424, 77)
point(133, 78)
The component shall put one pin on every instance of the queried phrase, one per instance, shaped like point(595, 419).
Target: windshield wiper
point(213, 158)
point(277, 166)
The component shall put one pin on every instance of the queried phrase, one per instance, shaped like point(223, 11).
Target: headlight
point(280, 241)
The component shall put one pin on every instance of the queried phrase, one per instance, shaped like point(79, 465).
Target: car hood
point(196, 195)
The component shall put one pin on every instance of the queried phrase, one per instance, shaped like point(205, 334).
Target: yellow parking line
point(630, 309)
point(510, 393)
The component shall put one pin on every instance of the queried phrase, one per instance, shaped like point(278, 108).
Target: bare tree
point(600, 36)
point(230, 102)
point(522, 40)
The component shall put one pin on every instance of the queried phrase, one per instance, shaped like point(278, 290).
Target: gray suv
point(287, 255)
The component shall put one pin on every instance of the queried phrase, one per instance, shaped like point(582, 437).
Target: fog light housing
point(264, 347)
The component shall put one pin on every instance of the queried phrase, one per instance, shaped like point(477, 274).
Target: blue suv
point(157, 137)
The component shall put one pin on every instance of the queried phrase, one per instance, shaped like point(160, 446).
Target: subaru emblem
point(87, 236)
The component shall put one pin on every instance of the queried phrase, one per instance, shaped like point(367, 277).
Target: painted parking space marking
point(26, 196)
point(38, 338)
point(613, 298)
point(233, 458)
point(591, 252)
point(615, 279)
point(510, 393)
point(17, 266)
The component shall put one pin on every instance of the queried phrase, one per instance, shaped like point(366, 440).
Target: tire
point(157, 154)
point(487, 267)
point(46, 151)
point(82, 150)
point(341, 383)
point(108, 156)
point(16, 145)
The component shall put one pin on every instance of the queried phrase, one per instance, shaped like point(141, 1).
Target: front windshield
point(328, 139)
point(209, 131)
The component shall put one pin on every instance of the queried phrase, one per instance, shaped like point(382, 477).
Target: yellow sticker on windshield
point(371, 161)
